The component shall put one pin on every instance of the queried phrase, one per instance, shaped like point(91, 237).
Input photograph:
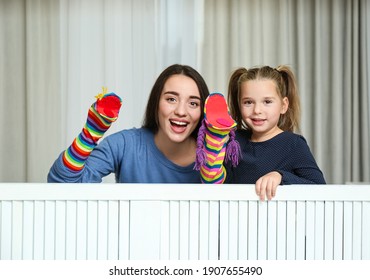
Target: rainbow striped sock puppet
point(216, 141)
point(102, 113)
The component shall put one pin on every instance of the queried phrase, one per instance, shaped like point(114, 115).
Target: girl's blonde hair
point(286, 86)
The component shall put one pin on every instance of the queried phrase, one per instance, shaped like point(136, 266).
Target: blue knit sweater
point(286, 153)
point(134, 158)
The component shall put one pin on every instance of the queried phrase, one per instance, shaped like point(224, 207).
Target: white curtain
point(55, 55)
point(327, 45)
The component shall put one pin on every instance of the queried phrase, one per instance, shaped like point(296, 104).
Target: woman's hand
point(267, 184)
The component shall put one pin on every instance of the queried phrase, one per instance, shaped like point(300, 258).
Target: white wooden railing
point(166, 221)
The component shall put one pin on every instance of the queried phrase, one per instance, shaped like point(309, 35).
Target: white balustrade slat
point(271, 230)
point(71, 229)
point(301, 230)
point(329, 231)
point(262, 231)
point(252, 230)
point(319, 229)
point(60, 230)
point(291, 230)
point(17, 229)
point(149, 221)
point(174, 230)
point(50, 227)
point(281, 230)
point(194, 230)
point(113, 240)
point(357, 230)
point(213, 245)
point(233, 230)
point(92, 230)
point(165, 230)
point(338, 231)
point(365, 241)
point(224, 230)
point(243, 231)
point(102, 230)
point(310, 230)
point(39, 230)
point(204, 214)
point(81, 230)
point(184, 230)
point(27, 234)
point(124, 230)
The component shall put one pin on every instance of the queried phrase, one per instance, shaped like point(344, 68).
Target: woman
point(163, 150)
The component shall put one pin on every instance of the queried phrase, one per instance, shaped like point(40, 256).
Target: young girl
point(163, 150)
point(264, 103)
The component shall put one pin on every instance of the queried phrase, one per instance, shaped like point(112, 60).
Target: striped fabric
point(96, 125)
point(213, 172)
point(218, 124)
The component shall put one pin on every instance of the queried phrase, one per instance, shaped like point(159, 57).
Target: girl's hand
point(267, 184)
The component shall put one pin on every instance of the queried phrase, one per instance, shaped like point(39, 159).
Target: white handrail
point(43, 191)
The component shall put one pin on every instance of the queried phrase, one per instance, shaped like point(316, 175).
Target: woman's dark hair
point(151, 121)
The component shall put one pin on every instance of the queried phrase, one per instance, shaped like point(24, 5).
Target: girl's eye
point(247, 102)
point(268, 101)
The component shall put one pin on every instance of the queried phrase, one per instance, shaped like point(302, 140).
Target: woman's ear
point(285, 105)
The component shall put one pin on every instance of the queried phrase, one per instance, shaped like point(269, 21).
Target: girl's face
point(179, 109)
point(261, 107)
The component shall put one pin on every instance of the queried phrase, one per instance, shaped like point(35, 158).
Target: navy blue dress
point(287, 153)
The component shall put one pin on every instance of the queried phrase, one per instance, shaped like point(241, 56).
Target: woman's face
point(179, 109)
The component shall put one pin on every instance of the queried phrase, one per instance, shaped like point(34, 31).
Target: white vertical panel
point(6, 230)
point(17, 229)
point(347, 229)
point(71, 229)
point(338, 231)
point(50, 216)
point(124, 230)
point(214, 209)
point(194, 230)
point(145, 230)
point(184, 230)
point(92, 230)
point(204, 230)
point(262, 231)
point(113, 218)
point(252, 230)
point(272, 230)
point(233, 229)
point(365, 230)
point(291, 230)
point(60, 230)
point(357, 230)
point(281, 238)
point(165, 231)
point(310, 230)
point(319, 230)
point(329, 231)
point(243, 231)
point(81, 230)
point(301, 230)
point(28, 224)
point(224, 230)
point(39, 230)
point(174, 230)
point(102, 230)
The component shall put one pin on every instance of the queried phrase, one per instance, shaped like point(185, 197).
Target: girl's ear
point(284, 106)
